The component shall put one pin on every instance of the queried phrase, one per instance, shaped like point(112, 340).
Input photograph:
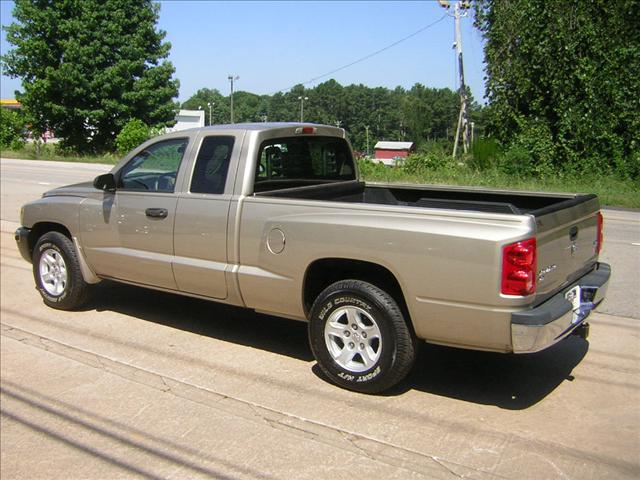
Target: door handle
point(156, 212)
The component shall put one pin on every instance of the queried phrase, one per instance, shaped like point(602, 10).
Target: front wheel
point(360, 338)
point(56, 270)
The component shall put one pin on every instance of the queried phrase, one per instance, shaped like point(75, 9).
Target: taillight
point(519, 264)
point(600, 236)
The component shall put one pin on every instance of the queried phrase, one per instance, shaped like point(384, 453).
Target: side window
point(155, 168)
point(212, 164)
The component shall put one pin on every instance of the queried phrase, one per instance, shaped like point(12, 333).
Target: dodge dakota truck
point(274, 217)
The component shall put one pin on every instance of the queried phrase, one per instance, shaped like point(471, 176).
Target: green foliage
point(610, 188)
point(13, 131)
point(423, 164)
point(420, 114)
point(52, 152)
point(133, 134)
point(563, 82)
point(485, 153)
point(88, 66)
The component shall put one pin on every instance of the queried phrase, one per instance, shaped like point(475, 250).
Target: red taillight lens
point(305, 130)
point(519, 264)
point(600, 237)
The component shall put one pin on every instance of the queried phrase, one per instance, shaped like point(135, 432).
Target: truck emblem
point(546, 270)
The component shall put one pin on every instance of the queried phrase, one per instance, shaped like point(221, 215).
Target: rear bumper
point(539, 328)
point(22, 239)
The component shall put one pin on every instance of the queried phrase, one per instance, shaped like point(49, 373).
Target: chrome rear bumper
point(539, 328)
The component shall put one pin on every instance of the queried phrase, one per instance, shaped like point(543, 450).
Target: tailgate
point(566, 240)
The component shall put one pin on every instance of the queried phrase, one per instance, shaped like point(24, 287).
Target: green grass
point(49, 152)
point(612, 190)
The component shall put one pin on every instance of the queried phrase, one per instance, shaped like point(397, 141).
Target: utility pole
point(231, 79)
point(210, 105)
point(460, 10)
point(366, 127)
point(302, 100)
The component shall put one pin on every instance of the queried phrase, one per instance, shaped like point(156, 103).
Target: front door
point(128, 235)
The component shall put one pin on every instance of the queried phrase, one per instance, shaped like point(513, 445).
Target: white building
point(186, 119)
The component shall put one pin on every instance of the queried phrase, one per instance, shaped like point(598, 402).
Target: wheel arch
point(323, 272)
point(40, 228)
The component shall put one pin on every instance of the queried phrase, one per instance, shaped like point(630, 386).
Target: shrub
point(368, 168)
point(421, 163)
point(629, 167)
point(532, 151)
point(13, 130)
point(485, 153)
point(517, 160)
point(132, 134)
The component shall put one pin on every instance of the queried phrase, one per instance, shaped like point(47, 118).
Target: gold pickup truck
point(274, 217)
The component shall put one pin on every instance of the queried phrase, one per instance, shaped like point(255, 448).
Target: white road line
point(636, 244)
point(44, 183)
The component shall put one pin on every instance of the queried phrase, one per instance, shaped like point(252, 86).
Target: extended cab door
point(128, 234)
point(200, 239)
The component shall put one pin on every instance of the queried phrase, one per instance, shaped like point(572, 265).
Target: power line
point(367, 57)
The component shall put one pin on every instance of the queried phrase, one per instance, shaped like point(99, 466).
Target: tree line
point(562, 84)
point(419, 114)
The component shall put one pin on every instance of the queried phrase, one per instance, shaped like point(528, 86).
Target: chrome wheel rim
point(53, 272)
point(353, 339)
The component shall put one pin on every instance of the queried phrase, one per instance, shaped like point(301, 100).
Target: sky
point(273, 46)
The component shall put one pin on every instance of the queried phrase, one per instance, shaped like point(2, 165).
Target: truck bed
point(431, 197)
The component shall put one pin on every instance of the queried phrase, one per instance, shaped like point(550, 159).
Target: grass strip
point(612, 190)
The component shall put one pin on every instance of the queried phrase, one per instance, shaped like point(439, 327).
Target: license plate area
point(575, 297)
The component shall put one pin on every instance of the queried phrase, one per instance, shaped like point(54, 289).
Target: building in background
point(10, 104)
point(186, 119)
point(392, 153)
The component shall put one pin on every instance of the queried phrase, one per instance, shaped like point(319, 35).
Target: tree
point(563, 79)
point(220, 107)
point(89, 66)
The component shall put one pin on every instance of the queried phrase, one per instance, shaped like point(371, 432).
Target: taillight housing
point(519, 266)
point(600, 236)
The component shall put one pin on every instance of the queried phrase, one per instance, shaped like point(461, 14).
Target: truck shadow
point(215, 320)
point(508, 381)
point(513, 382)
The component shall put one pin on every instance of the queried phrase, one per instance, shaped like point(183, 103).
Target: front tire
point(56, 270)
point(360, 338)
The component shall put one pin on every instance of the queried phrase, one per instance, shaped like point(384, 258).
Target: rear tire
point(56, 270)
point(360, 338)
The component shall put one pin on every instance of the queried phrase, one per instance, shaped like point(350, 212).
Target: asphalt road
point(152, 385)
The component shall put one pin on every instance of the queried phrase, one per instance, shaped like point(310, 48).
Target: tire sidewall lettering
point(343, 300)
point(340, 300)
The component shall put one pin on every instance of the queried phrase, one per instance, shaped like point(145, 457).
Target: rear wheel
point(360, 338)
point(56, 270)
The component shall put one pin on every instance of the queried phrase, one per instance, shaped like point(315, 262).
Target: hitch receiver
point(582, 331)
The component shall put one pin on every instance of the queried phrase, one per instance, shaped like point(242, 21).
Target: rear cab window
point(290, 162)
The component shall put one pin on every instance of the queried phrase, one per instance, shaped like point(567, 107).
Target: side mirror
point(106, 182)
